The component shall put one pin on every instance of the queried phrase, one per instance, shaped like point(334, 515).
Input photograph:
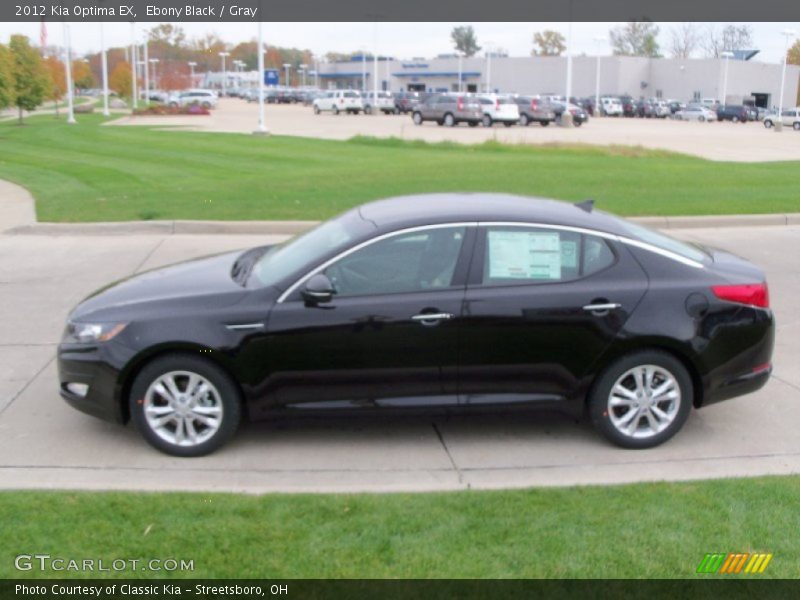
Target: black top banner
point(394, 10)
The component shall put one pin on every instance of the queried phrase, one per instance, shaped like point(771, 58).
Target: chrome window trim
point(602, 234)
point(364, 244)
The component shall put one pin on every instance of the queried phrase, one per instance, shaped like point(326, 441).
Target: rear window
point(664, 242)
point(350, 95)
point(505, 101)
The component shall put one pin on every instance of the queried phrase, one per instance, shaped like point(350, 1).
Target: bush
point(164, 110)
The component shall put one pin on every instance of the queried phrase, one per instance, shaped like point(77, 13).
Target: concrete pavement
point(46, 444)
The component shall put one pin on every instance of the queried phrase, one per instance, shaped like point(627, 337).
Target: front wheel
point(641, 400)
point(335, 109)
point(449, 120)
point(701, 119)
point(767, 123)
point(524, 120)
point(417, 118)
point(487, 121)
point(368, 110)
point(796, 126)
point(184, 405)
point(316, 110)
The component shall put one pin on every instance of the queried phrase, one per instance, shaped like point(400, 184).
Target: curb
point(295, 227)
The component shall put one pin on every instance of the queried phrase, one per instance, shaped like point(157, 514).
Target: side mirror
point(318, 289)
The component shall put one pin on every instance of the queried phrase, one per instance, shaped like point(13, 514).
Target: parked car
point(645, 109)
point(628, 106)
point(610, 106)
point(505, 301)
point(534, 110)
point(336, 101)
point(696, 113)
point(661, 109)
point(498, 109)
point(579, 116)
point(735, 113)
point(405, 102)
point(675, 106)
point(789, 118)
point(383, 102)
point(204, 98)
point(449, 110)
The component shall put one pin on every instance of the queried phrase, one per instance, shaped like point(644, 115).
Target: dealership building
point(681, 79)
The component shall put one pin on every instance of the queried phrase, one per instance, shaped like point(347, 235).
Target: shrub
point(164, 110)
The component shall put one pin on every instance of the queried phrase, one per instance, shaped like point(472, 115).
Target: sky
point(400, 40)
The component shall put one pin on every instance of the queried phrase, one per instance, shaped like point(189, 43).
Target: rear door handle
point(432, 318)
point(602, 307)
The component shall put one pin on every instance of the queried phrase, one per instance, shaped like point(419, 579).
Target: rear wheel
point(524, 120)
point(487, 121)
point(449, 120)
point(796, 126)
point(544, 123)
point(701, 118)
point(417, 118)
point(641, 400)
point(767, 123)
point(368, 110)
point(335, 109)
point(316, 109)
point(184, 405)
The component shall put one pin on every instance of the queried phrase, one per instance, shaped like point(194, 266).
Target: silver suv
point(448, 110)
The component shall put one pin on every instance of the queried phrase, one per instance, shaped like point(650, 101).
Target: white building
point(635, 76)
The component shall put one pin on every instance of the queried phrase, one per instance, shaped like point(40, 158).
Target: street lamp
point(104, 67)
point(146, 64)
point(286, 67)
point(566, 116)
point(262, 129)
point(223, 56)
point(134, 66)
point(68, 74)
point(192, 65)
point(304, 68)
point(727, 56)
point(788, 34)
point(489, 46)
point(154, 62)
point(460, 69)
point(598, 40)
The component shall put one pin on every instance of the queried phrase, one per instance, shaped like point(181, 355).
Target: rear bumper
point(738, 386)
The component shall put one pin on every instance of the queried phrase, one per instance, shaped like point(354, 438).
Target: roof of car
point(429, 209)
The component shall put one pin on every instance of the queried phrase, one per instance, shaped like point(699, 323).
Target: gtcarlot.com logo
point(46, 562)
point(735, 562)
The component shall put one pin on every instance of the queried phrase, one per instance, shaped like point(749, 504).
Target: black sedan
point(449, 301)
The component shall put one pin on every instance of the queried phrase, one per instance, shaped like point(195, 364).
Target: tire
point(610, 419)
point(796, 126)
point(701, 119)
point(577, 123)
point(524, 120)
point(206, 105)
point(544, 123)
point(221, 398)
point(735, 119)
point(487, 121)
point(335, 109)
point(368, 110)
point(449, 120)
point(767, 123)
point(417, 118)
point(316, 110)
point(508, 123)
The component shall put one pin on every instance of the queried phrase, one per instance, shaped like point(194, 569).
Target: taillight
point(753, 294)
point(497, 104)
point(461, 103)
point(534, 104)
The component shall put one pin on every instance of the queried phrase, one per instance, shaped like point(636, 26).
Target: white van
point(337, 101)
point(383, 102)
point(611, 107)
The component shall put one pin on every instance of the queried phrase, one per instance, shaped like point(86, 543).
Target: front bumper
point(86, 365)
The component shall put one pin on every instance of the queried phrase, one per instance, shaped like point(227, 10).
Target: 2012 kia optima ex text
point(458, 301)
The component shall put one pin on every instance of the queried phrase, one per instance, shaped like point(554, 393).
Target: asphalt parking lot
point(744, 142)
point(44, 443)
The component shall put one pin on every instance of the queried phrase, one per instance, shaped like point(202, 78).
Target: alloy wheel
point(644, 401)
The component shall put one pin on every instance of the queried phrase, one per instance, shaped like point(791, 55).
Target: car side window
point(524, 255)
point(411, 262)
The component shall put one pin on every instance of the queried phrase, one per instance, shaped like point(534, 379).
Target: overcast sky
point(401, 40)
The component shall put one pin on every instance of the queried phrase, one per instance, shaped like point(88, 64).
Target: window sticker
point(569, 254)
point(524, 255)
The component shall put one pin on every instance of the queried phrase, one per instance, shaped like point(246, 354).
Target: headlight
point(87, 333)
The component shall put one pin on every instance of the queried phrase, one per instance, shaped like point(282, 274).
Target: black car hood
point(200, 283)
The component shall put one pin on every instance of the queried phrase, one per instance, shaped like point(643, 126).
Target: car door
point(389, 335)
point(542, 305)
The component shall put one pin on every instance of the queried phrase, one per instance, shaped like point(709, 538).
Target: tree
point(464, 40)
point(684, 40)
point(120, 79)
point(6, 78)
point(793, 55)
point(549, 42)
point(31, 80)
point(732, 37)
point(82, 76)
point(58, 80)
point(636, 38)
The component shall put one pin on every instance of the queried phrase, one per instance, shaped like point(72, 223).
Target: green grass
point(93, 173)
point(641, 530)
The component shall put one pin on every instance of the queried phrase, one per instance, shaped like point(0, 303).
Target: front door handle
point(432, 318)
point(602, 307)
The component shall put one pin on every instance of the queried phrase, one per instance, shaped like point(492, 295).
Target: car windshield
point(659, 240)
point(307, 250)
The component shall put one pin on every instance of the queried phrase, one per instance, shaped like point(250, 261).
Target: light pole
point(489, 46)
point(788, 34)
point(304, 69)
point(134, 58)
point(154, 62)
point(460, 69)
point(68, 73)
point(286, 67)
point(363, 70)
point(566, 116)
point(146, 63)
point(192, 65)
point(223, 56)
point(727, 56)
point(262, 129)
point(375, 64)
point(597, 111)
point(104, 68)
